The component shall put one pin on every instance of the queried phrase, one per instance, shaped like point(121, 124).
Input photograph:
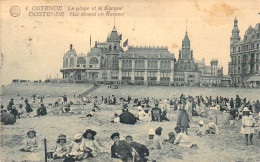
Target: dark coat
point(183, 119)
point(140, 149)
point(28, 108)
point(122, 151)
point(127, 118)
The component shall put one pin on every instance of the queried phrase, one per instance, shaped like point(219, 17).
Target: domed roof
point(70, 53)
point(95, 51)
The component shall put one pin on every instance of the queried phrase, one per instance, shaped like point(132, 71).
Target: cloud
point(219, 13)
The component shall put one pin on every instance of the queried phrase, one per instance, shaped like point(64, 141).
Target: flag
point(125, 43)
point(120, 36)
point(90, 40)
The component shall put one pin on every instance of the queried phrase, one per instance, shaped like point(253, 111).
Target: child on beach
point(61, 149)
point(74, 149)
point(31, 143)
point(183, 139)
point(149, 143)
point(89, 145)
point(158, 139)
point(247, 127)
point(201, 130)
point(116, 118)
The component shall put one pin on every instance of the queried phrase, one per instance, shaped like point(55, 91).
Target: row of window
point(152, 64)
point(244, 58)
point(141, 74)
point(247, 69)
point(245, 47)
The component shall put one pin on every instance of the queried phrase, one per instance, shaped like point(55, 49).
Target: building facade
point(186, 71)
point(149, 65)
point(244, 54)
point(100, 64)
point(146, 65)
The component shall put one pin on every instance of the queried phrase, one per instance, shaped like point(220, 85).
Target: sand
point(229, 145)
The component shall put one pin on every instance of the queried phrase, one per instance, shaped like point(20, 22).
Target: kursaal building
point(108, 62)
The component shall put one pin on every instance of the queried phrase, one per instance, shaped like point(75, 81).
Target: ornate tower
point(235, 33)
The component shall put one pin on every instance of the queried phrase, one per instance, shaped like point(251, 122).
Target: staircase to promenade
point(92, 89)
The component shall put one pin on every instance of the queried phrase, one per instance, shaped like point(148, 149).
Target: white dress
point(183, 140)
point(248, 121)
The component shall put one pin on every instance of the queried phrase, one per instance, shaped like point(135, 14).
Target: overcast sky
point(144, 23)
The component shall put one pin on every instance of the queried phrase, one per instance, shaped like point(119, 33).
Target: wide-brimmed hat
point(201, 122)
point(26, 100)
point(115, 135)
point(77, 136)
point(140, 108)
point(89, 131)
point(151, 131)
point(31, 130)
point(62, 137)
point(165, 101)
point(12, 99)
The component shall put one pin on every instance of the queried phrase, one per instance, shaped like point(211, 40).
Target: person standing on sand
point(188, 108)
point(183, 121)
point(247, 127)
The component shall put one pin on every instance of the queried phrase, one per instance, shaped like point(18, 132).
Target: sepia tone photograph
point(130, 81)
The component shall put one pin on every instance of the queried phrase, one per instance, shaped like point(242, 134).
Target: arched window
point(149, 64)
point(81, 60)
point(130, 63)
point(93, 60)
point(71, 61)
point(142, 63)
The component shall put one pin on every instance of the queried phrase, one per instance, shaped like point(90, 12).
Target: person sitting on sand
point(28, 107)
point(89, 145)
point(120, 149)
point(61, 148)
point(41, 111)
point(125, 109)
point(139, 151)
point(201, 130)
point(149, 142)
point(116, 119)
point(31, 143)
point(158, 139)
point(66, 108)
point(171, 139)
point(74, 148)
point(142, 115)
point(211, 128)
point(156, 113)
point(15, 112)
point(183, 139)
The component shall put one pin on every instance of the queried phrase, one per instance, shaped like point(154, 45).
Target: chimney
point(70, 46)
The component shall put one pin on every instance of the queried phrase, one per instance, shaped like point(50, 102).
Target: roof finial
point(186, 25)
point(114, 20)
